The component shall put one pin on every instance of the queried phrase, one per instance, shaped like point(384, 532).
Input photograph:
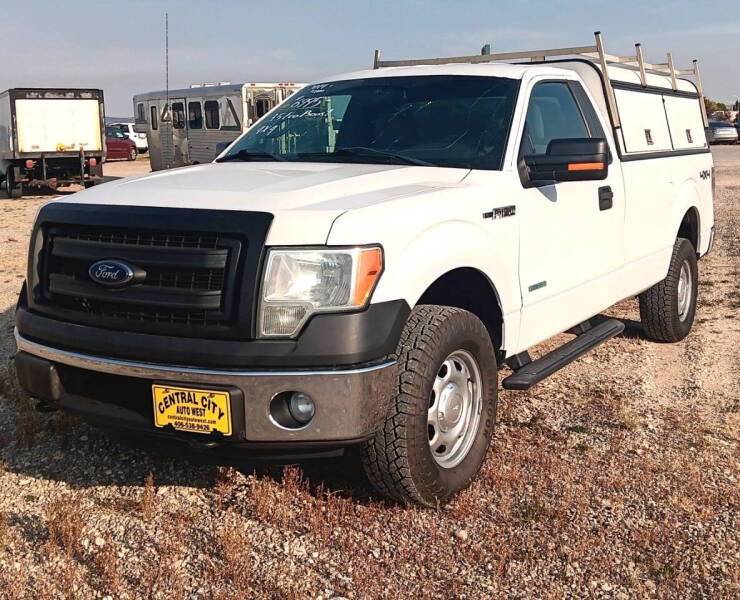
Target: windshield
point(449, 121)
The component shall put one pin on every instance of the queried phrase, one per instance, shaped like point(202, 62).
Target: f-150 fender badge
point(501, 212)
point(705, 174)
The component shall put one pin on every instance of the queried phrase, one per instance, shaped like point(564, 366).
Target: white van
point(358, 265)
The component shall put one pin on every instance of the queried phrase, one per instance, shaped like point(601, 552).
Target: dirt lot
point(616, 478)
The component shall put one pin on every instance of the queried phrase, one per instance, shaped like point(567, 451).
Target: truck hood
point(305, 198)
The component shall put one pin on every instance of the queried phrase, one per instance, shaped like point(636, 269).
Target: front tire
point(441, 417)
point(668, 308)
point(132, 154)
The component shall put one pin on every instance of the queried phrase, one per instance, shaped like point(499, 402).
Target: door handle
point(606, 198)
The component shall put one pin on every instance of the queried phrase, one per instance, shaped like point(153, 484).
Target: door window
point(212, 117)
point(263, 107)
point(195, 115)
point(153, 111)
point(178, 115)
point(552, 114)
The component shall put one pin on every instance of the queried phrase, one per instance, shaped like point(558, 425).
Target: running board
point(533, 372)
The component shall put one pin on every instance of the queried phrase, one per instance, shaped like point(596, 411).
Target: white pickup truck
point(356, 267)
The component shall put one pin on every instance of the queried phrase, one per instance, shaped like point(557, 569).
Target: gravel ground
point(615, 478)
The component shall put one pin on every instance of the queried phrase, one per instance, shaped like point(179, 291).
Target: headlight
point(300, 283)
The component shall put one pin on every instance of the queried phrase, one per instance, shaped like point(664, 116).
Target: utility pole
point(167, 60)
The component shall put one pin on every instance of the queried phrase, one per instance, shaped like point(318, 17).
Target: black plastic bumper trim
point(328, 340)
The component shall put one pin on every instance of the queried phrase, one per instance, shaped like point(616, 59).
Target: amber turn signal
point(369, 267)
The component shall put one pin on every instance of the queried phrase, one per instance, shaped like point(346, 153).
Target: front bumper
point(351, 403)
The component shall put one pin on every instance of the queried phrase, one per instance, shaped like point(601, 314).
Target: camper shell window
point(178, 115)
point(141, 112)
point(212, 118)
point(195, 115)
point(153, 111)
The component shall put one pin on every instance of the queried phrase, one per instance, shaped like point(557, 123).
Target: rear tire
point(668, 308)
point(12, 190)
point(446, 391)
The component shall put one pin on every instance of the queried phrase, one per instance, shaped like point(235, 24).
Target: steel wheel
point(455, 407)
point(684, 291)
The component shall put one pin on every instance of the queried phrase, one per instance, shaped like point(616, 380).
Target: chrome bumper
point(350, 403)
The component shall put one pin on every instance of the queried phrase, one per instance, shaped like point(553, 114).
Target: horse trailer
point(203, 118)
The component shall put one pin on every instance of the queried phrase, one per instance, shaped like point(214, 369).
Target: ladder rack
point(594, 53)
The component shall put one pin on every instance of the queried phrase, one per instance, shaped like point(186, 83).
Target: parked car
point(722, 132)
point(118, 145)
point(357, 266)
point(138, 138)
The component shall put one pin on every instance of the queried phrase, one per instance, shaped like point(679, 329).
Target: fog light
point(301, 407)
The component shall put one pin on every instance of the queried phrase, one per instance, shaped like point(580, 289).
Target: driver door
point(571, 237)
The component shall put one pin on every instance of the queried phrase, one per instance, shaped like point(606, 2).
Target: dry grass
point(28, 423)
point(148, 496)
point(65, 521)
point(108, 567)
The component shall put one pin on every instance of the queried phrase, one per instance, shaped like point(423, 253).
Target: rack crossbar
point(484, 58)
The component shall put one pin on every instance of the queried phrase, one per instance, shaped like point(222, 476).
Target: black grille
point(184, 278)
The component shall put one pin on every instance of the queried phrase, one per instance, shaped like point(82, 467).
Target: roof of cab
point(510, 71)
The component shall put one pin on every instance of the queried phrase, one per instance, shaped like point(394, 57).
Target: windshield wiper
point(365, 152)
point(245, 155)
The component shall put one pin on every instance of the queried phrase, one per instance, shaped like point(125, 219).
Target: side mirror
point(574, 159)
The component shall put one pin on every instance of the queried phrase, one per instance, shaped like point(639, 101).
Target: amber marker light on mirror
point(585, 166)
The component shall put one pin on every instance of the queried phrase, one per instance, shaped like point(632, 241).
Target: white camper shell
point(357, 266)
point(204, 118)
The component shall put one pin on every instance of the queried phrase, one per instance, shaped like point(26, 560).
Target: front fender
point(428, 238)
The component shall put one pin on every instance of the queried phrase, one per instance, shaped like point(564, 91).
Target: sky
point(118, 45)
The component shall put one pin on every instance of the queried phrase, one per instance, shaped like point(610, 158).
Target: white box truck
point(360, 263)
point(50, 137)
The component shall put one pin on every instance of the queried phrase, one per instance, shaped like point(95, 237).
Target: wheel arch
point(686, 214)
point(690, 227)
point(470, 289)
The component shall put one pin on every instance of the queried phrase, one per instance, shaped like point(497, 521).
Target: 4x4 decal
point(705, 174)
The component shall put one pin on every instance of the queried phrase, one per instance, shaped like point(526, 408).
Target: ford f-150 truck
point(356, 267)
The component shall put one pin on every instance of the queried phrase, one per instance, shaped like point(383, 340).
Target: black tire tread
point(385, 457)
point(658, 312)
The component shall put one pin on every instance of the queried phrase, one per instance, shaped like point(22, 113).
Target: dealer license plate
point(192, 410)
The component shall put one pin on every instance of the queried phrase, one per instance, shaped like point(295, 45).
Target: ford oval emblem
point(111, 273)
